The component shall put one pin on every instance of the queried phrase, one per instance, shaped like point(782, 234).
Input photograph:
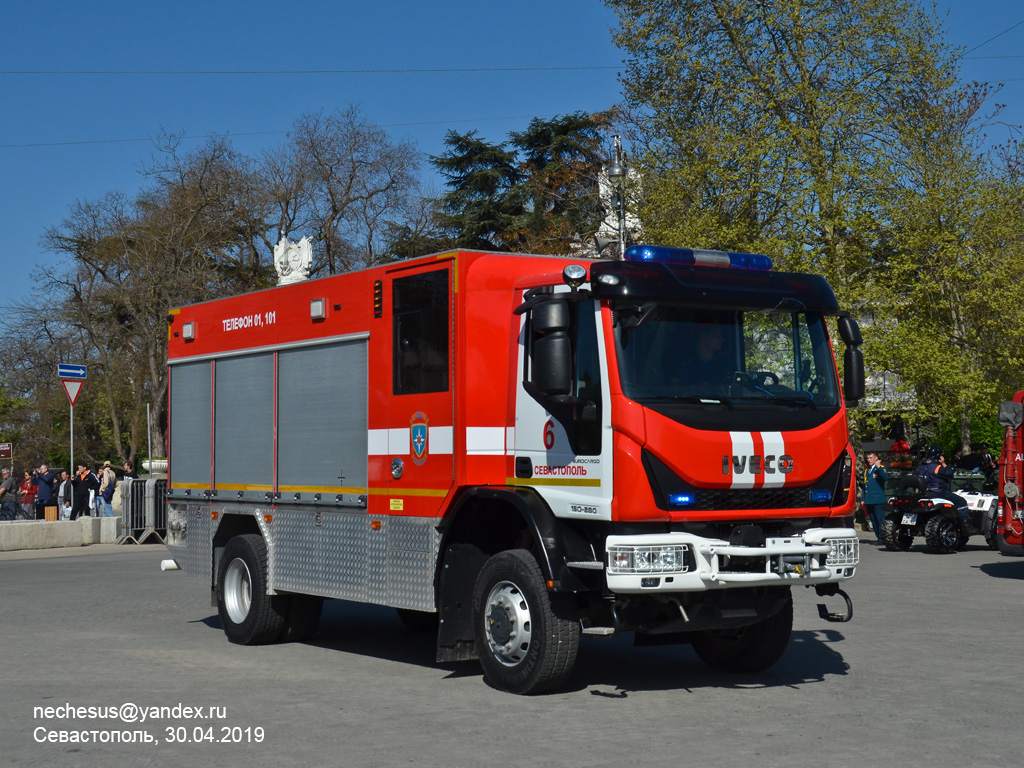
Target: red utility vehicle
point(1010, 524)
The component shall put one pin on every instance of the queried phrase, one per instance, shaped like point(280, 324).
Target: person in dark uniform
point(83, 482)
point(875, 478)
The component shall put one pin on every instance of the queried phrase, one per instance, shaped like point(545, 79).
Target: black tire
point(247, 613)
point(522, 645)
point(961, 542)
point(1009, 550)
point(420, 622)
point(896, 537)
point(747, 649)
point(991, 537)
point(942, 534)
point(302, 619)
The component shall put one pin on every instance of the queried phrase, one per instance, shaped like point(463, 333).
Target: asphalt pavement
point(99, 641)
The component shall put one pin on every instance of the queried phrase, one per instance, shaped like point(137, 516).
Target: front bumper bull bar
point(684, 562)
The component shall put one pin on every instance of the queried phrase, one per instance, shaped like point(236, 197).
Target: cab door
point(416, 413)
point(563, 445)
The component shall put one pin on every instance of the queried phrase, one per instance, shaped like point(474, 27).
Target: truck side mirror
point(551, 371)
point(853, 375)
point(849, 331)
point(853, 360)
point(550, 316)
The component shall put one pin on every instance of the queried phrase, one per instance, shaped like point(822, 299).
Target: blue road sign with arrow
point(71, 371)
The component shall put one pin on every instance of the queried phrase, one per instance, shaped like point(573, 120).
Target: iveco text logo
point(757, 464)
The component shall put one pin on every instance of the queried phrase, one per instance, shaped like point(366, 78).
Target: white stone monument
point(292, 260)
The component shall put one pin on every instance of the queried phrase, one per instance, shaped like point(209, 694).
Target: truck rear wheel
point(522, 645)
point(747, 649)
point(942, 534)
point(248, 615)
point(896, 537)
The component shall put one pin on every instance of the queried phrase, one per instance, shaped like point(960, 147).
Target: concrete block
point(90, 530)
point(41, 534)
point(110, 530)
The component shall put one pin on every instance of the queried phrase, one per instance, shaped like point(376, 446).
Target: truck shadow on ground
point(811, 657)
point(919, 547)
point(1006, 569)
point(375, 631)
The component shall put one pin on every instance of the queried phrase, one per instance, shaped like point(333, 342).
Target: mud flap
point(462, 564)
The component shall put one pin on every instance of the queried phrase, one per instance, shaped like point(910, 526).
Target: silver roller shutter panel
point(322, 420)
point(244, 457)
point(190, 431)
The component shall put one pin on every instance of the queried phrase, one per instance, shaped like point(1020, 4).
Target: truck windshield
point(686, 354)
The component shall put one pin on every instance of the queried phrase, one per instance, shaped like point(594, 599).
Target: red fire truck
point(1010, 523)
point(521, 449)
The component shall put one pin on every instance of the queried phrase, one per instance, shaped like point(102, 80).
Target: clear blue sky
point(68, 137)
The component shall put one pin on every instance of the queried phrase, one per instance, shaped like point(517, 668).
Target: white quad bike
point(913, 512)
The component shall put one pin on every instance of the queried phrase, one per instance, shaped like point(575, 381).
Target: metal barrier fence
point(143, 510)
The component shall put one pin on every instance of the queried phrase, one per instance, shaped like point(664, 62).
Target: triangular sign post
point(72, 387)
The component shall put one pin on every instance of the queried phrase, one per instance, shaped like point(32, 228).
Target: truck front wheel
point(747, 649)
point(522, 645)
point(248, 615)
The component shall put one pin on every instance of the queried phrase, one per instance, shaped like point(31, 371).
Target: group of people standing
point(87, 492)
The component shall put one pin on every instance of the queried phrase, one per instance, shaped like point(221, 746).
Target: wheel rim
point(507, 623)
point(237, 590)
point(948, 532)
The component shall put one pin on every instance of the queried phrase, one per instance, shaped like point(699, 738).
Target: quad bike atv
point(913, 512)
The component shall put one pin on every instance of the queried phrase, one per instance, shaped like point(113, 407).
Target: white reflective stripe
point(377, 442)
point(510, 439)
point(773, 446)
point(485, 441)
point(743, 447)
point(398, 441)
point(439, 440)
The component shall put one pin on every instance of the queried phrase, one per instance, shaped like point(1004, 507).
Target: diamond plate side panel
point(411, 562)
point(410, 580)
point(345, 555)
point(196, 555)
point(411, 533)
point(337, 554)
point(295, 546)
point(319, 551)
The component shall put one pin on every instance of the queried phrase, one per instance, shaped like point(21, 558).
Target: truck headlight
point(669, 558)
point(843, 552)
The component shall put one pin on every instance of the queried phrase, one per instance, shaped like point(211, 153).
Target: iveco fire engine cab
point(522, 450)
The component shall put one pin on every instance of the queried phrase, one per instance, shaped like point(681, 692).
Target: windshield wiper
point(695, 399)
point(795, 400)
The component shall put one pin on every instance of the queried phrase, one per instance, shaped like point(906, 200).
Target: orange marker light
point(268, 518)
point(375, 525)
point(214, 515)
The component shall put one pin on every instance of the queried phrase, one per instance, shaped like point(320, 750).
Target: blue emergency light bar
point(691, 256)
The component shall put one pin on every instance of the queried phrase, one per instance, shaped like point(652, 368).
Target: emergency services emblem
point(418, 426)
